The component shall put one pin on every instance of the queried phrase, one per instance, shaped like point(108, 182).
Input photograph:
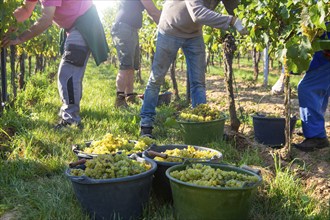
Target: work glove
point(239, 27)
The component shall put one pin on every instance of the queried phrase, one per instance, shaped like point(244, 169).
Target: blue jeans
point(313, 95)
point(166, 51)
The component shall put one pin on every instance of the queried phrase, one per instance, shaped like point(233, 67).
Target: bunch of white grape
point(109, 166)
point(187, 153)
point(205, 175)
point(111, 144)
point(200, 113)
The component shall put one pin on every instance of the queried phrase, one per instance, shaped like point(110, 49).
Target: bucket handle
point(253, 170)
point(76, 163)
point(78, 179)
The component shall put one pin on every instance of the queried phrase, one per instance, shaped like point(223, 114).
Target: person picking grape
point(126, 40)
point(84, 34)
point(313, 96)
point(180, 26)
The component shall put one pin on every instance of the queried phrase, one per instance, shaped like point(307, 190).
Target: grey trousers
point(70, 78)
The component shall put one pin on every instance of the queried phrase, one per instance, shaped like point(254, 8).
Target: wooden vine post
point(174, 82)
point(287, 111)
point(229, 47)
point(3, 79)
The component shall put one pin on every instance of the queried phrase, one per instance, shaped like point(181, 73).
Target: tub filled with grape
point(212, 191)
point(175, 154)
point(111, 144)
point(202, 124)
point(113, 186)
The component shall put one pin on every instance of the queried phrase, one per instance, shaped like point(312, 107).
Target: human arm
point(151, 9)
point(36, 29)
point(202, 15)
point(24, 12)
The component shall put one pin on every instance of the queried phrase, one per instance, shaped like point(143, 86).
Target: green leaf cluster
point(289, 27)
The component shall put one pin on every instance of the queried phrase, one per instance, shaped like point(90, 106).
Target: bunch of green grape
point(109, 166)
point(202, 112)
point(187, 153)
point(204, 175)
point(311, 32)
point(111, 144)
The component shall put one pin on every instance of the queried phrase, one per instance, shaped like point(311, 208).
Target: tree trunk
point(220, 61)
point(21, 75)
point(229, 48)
point(3, 93)
point(188, 90)
point(238, 59)
point(138, 78)
point(287, 112)
point(44, 63)
point(30, 65)
point(39, 67)
point(212, 59)
point(36, 66)
point(271, 63)
point(152, 56)
point(174, 82)
point(256, 59)
point(13, 70)
point(208, 60)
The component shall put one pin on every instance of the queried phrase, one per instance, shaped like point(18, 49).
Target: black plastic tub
point(118, 198)
point(271, 130)
point(161, 184)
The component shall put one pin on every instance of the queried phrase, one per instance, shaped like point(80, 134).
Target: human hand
point(8, 38)
point(239, 27)
point(7, 41)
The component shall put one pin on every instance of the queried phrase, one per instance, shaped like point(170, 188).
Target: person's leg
point(125, 39)
point(70, 76)
point(194, 50)
point(166, 51)
point(129, 91)
point(121, 82)
point(313, 95)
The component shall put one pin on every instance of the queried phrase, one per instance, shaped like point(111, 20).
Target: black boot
point(311, 144)
point(120, 100)
point(146, 132)
point(131, 98)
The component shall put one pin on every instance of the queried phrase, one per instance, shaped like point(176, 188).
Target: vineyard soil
point(255, 98)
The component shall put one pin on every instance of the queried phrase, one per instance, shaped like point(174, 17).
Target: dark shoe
point(120, 101)
point(131, 98)
point(62, 124)
point(311, 144)
point(146, 132)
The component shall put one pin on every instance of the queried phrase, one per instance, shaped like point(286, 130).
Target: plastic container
point(161, 185)
point(211, 203)
point(199, 133)
point(118, 198)
point(270, 130)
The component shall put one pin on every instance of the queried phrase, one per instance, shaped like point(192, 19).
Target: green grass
point(34, 156)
